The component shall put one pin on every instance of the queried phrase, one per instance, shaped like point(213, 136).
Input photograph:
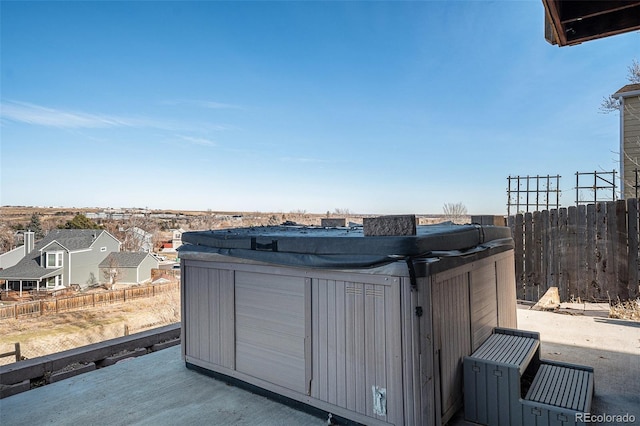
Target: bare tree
point(7, 240)
point(611, 104)
point(630, 145)
point(343, 212)
point(455, 212)
point(112, 273)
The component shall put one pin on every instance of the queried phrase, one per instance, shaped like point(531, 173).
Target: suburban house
point(139, 240)
point(176, 241)
point(127, 267)
point(62, 258)
point(629, 97)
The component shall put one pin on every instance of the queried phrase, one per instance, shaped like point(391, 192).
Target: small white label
point(379, 400)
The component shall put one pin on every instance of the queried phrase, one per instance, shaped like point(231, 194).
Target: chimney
point(29, 238)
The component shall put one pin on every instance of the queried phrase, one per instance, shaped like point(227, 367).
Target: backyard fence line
point(590, 252)
point(82, 301)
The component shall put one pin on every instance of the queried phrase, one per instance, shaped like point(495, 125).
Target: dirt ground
point(44, 335)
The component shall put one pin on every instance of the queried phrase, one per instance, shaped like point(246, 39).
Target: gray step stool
point(497, 389)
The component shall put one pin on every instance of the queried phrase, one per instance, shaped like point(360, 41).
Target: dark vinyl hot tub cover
point(342, 248)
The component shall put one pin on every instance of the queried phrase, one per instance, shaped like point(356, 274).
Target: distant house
point(177, 238)
point(139, 240)
point(176, 241)
point(62, 258)
point(127, 267)
point(12, 257)
point(629, 97)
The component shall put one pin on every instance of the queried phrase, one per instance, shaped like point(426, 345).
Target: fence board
point(81, 301)
point(590, 252)
point(552, 254)
point(537, 252)
point(518, 250)
point(572, 253)
point(562, 254)
point(544, 268)
point(530, 286)
point(632, 261)
point(612, 235)
point(621, 254)
point(581, 253)
point(601, 247)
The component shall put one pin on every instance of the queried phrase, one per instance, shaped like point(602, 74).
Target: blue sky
point(375, 107)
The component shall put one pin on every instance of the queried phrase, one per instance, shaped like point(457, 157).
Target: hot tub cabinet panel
point(376, 345)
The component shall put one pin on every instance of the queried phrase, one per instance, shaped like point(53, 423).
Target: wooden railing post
point(18, 354)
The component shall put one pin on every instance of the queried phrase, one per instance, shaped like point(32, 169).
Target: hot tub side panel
point(330, 339)
point(357, 359)
point(468, 301)
point(208, 317)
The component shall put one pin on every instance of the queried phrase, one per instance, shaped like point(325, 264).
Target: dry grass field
point(55, 333)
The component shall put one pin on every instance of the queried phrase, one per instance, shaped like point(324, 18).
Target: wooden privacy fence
point(590, 252)
point(81, 301)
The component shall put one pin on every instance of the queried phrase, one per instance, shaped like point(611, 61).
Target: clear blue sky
point(376, 107)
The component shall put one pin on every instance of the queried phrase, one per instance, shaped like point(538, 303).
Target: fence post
point(18, 354)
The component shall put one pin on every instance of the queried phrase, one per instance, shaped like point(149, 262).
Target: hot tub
point(371, 329)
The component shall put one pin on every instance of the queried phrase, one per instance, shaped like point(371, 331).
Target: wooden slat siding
point(572, 253)
point(537, 251)
point(582, 245)
point(529, 278)
point(632, 224)
point(621, 251)
point(519, 254)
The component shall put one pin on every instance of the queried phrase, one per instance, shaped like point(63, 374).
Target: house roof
point(569, 22)
point(71, 239)
point(124, 259)
point(628, 90)
point(28, 268)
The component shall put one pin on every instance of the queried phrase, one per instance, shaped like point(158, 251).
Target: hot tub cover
point(341, 247)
